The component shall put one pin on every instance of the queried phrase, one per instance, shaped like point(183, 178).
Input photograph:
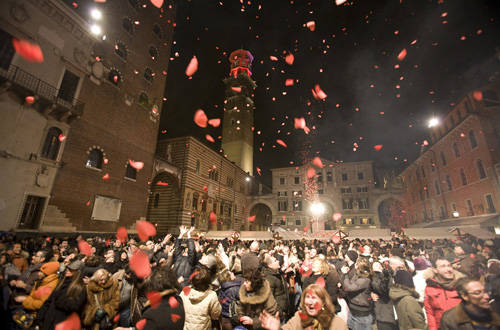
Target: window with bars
point(95, 159)
point(443, 158)
point(32, 212)
point(456, 150)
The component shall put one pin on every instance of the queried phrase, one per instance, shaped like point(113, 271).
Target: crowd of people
point(190, 282)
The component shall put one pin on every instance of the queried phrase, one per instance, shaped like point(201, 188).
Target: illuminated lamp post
point(317, 210)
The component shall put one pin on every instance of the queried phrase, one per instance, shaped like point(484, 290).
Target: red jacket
point(437, 301)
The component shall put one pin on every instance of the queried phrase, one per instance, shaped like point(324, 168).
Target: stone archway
point(164, 202)
point(263, 217)
point(391, 213)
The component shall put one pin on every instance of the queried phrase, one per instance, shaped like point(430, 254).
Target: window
point(282, 206)
point(443, 158)
point(296, 180)
point(347, 221)
point(229, 182)
point(282, 193)
point(128, 25)
point(156, 200)
point(149, 75)
point(320, 191)
point(153, 52)
point(480, 169)
point(319, 176)
point(197, 168)
point(204, 205)
point(423, 172)
point(344, 177)
point(472, 139)
point(426, 192)
point(448, 183)
point(114, 77)
point(442, 212)
point(130, 172)
point(282, 181)
point(144, 100)
point(6, 50)
point(417, 174)
point(490, 98)
point(361, 189)
point(436, 186)
point(365, 221)
point(158, 31)
point(134, 3)
point(297, 193)
point(347, 204)
point(194, 206)
point(121, 50)
point(52, 144)
point(361, 175)
point(463, 177)
point(95, 159)
point(363, 203)
point(214, 175)
point(455, 150)
point(329, 176)
point(453, 206)
point(490, 205)
point(298, 222)
point(470, 209)
point(32, 212)
point(297, 206)
point(69, 84)
point(433, 165)
point(346, 190)
point(214, 207)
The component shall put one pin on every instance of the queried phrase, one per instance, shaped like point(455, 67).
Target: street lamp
point(317, 209)
point(96, 14)
point(455, 214)
point(247, 179)
point(433, 122)
point(95, 29)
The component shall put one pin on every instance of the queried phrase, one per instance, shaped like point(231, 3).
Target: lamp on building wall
point(96, 14)
point(455, 214)
point(95, 29)
point(247, 179)
point(434, 121)
point(317, 209)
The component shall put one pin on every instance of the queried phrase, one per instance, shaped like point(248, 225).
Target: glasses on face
point(477, 293)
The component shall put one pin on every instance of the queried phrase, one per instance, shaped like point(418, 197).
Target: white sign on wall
point(106, 208)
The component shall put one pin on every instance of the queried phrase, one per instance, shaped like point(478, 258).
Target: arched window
point(455, 150)
point(463, 177)
point(472, 139)
point(480, 169)
point(52, 143)
point(148, 75)
point(153, 52)
point(130, 172)
point(158, 31)
point(128, 25)
point(443, 158)
point(143, 99)
point(121, 50)
point(115, 77)
point(95, 159)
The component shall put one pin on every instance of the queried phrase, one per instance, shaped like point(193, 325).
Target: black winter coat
point(357, 289)
point(59, 306)
point(184, 265)
point(384, 308)
point(279, 288)
point(167, 315)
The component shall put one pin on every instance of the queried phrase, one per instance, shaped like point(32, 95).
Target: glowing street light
point(96, 14)
point(433, 122)
point(455, 214)
point(95, 29)
point(317, 209)
point(247, 179)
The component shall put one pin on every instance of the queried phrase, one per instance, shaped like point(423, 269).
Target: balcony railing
point(37, 87)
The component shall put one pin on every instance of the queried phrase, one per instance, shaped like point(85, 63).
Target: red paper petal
point(27, 50)
point(209, 138)
point(402, 54)
point(311, 25)
point(317, 162)
point(236, 89)
point(311, 172)
point(477, 95)
point(318, 93)
point(273, 58)
point(157, 3)
point(192, 67)
point(154, 298)
point(281, 143)
point(289, 59)
point(42, 292)
point(259, 172)
point(85, 248)
point(161, 183)
point(200, 118)
point(139, 264)
point(214, 122)
point(61, 137)
point(121, 234)
point(193, 275)
point(140, 324)
point(175, 317)
point(321, 281)
point(173, 302)
point(251, 218)
point(105, 176)
point(289, 82)
point(71, 323)
point(337, 216)
point(30, 99)
point(116, 318)
point(339, 2)
point(335, 239)
point(212, 217)
point(145, 229)
point(303, 316)
point(378, 147)
point(299, 123)
point(186, 290)
point(137, 165)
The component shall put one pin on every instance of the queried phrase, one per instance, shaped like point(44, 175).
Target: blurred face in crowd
point(64, 244)
point(274, 263)
point(16, 248)
point(476, 295)
point(37, 258)
point(312, 303)
point(109, 255)
point(150, 245)
point(316, 266)
point(458, 250)
point(248, 285)
point(444, 269)
point(313, 253)
point(101, 280)
point(69, 272)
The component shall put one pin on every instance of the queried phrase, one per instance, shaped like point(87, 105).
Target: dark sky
point(352, 53)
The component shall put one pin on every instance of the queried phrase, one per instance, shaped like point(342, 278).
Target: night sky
point(352, 54)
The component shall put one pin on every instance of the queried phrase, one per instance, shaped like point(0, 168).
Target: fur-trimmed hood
point(255, 298)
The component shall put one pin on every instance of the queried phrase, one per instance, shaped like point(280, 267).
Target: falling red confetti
point(318, 93)
point(139, 264)
point(413, 42)
point(200, 118)
point(42, 292)
point(299, 123)
point(161, 183)
point(310, 173)
point(259, 172)
point(71, 323)
point(30, 52)
point(105, 176)
point(205, 188)
point(192, 67)
point(140, 324)
point(236, 89)
point(175, 317)
point(209, 138)
point(335, 239)
point(61, 137)
point(137, 165)
point(84, 248)
point(116, 318)
point(317, 162)
point(337, 216)
point(121, 234)
point(88, 203)
point(173, 302)
point(289, 82)
point(402, 54)
point(311, 25)
point(477, 95)
point(145, 229)
point(303, 316)
point(212, 217)
point(157, 3)
point(29, 99)
point(251, 218)
point(154, 298)
point(289, 59)
point(186, 290)
point(273, 58)
point(378, 147)
point(215, 122)
point(339, 2)
point(281, 143)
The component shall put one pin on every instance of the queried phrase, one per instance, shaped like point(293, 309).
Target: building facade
point(458, 172)
point(114, 65)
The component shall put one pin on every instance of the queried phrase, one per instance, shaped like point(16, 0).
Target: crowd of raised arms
point(189, 282)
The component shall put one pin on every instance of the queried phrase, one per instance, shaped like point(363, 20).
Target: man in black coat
point(278, 284)
point(184, 258)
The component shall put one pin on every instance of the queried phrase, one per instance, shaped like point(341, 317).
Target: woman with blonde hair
point(326, 277)
point(103, 298)
point(316, 312)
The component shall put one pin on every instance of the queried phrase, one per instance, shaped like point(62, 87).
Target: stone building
point(97, 101)
point(457, 174)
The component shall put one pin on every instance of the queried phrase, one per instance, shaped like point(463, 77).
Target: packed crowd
point(189, 282)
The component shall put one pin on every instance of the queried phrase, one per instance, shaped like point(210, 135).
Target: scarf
point(320, 322)
point(448, 284)
point(482, 316)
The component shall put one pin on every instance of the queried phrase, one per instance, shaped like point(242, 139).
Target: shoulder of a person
point(338, 323)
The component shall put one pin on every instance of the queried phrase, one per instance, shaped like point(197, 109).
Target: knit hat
point(420, 263)
point(249, 263)
point(353, 255)
point(404, 278)
point(50, 268)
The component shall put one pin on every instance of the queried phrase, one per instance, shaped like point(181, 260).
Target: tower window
point(480, 169)
point(143, 99)
point(448, 183)
point(156, 200)
point(95, 159)
point(361, 175)
point(52, 144)
point(463, 177)
point(115, 77)
point(344, 177)
point(456, 150)
point(472, 139)
point(130, 172)
point(443, 158)
point(149, 75)
point(158, 31)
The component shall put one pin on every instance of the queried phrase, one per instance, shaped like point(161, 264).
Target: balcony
point(48, 100)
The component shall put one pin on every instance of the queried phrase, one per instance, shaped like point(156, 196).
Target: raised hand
point(269, 322)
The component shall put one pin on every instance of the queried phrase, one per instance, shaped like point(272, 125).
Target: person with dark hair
point(200, 301)
point(229, 292)
point(316, 312)
point(43, 287)
point(440, 293)
point(18, 258)
point(25, 282)
point(408, 309)
point(474, 311)
point(184, 256)
point(255, 294)
point(383, 306)
point(278, 284)
point(325, 276)
point(68, 297)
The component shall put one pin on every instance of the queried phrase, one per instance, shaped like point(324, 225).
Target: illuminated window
point(347, 221)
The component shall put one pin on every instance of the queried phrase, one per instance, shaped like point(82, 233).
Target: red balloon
point(30, 52)
point(139, 263)
point(85, 248)
point(145, 229)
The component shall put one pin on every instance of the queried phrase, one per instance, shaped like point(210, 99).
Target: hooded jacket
point(357, 289)
point(108, 296)
point(36, 298)
point(184, 265)
point(228, 292)
point(201, 308)
point(408, 309)
point(251, 304)
point(438, 299)
point(279, 288)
